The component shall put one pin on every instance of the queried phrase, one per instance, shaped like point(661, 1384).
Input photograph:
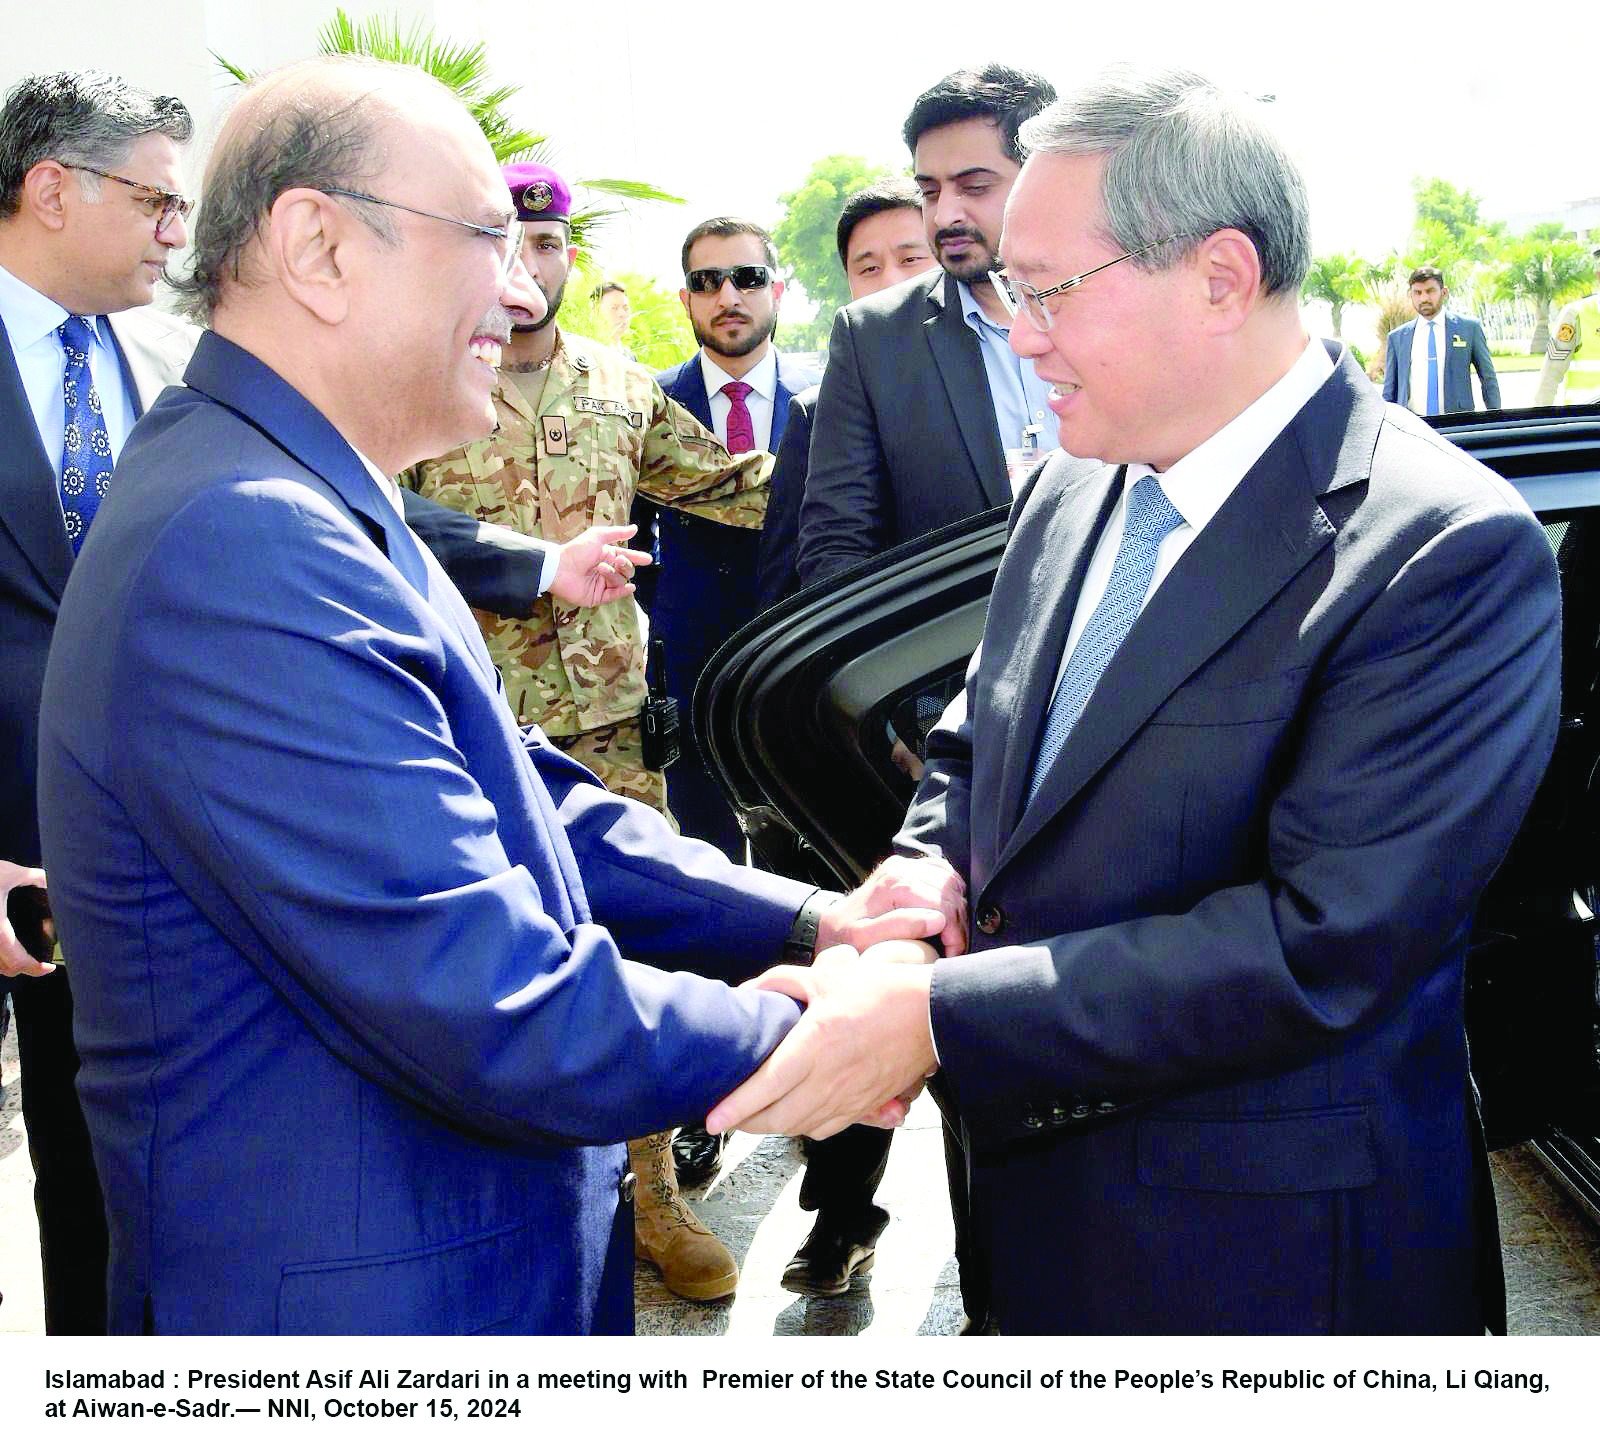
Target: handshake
point(864, 1046)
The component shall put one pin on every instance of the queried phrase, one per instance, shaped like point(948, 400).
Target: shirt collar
point(386, 485)
point(30, 315)
point(1199, 483)
point(763, 377)
point(973, 313)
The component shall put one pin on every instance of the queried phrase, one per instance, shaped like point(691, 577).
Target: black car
point(813, 712)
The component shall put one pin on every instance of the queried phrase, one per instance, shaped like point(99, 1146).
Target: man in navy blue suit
point(1259, 707)
point(739, 385)
point(356, 962)
point(1428, 360)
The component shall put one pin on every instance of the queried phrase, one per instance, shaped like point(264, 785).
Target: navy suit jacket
point(777, 564)
point(905, 438)
point(1209, 1057)
point(353, 960)
point(1464, 346)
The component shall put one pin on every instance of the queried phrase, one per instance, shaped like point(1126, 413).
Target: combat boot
point(693, 1263)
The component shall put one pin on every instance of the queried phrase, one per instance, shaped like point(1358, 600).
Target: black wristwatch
point(801, 945)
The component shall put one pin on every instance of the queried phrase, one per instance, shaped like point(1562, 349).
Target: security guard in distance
point(581, 428)
point(1573, 356)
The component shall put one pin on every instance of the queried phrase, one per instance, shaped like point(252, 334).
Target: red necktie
point(741, 430)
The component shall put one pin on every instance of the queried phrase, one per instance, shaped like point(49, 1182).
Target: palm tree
point(1546, 267)
point(465, 69)
point(1337, 279)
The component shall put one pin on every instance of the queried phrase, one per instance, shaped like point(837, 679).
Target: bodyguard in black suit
point(909, 433)
point(89, 210)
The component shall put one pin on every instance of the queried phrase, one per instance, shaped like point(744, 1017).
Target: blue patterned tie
point(1433, 371)
point(85, 444)
point(1150, 518)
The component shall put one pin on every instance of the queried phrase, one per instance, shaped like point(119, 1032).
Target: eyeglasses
point(1018, 296)
point(508, 233)
point(746, 278)
point(170, 203)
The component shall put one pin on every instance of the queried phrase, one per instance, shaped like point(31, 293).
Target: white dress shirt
point(763, 380)
point(1199, 484)
point(1418, 401)
point(31, 320)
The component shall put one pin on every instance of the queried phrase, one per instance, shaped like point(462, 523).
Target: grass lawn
point(1517, 362)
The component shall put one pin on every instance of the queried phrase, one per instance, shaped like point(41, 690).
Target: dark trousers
point(844, 1171)
point(66, 1193)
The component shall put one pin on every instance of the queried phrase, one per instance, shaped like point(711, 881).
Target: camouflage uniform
point(602, 429)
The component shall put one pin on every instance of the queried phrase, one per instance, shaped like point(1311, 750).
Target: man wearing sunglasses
point(739, 386)
point(925, 416)
point(89, 211)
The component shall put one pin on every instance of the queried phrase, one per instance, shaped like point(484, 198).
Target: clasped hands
point(863, 1048)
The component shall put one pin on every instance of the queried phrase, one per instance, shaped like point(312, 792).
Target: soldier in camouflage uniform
point(581, 429)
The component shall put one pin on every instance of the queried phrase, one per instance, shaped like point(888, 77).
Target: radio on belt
point(658, 719)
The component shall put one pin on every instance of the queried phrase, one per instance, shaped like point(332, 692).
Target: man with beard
point(1428, 362)
point(925, 415)
point(581, 429)
point(739, 386)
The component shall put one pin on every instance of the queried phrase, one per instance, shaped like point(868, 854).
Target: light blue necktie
point(1150, 518)
point(85, 444)
point(1433, 371)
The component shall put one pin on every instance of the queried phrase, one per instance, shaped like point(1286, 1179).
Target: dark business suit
point(905, 438)
point(35, 560)
point(706, 590)
point(777, 572)
point(1208, 1056)
point(353, 1007)
point(1464, 346)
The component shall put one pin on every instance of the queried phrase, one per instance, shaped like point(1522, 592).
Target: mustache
point(496, 323)
point(731, 315)
point(958, 233)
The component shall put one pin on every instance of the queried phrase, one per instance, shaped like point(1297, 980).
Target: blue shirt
point(1017, 393)
point(31, 319)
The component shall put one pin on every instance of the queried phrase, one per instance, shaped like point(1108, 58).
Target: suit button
point(1033, 1122)
point(1058, 1113)
point(1107, 1107)
point(1080, 1111)
point(625, 1187)
point(991, 919)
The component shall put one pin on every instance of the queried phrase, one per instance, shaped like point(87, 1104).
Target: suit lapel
point(781, 396)
point(691, 392)
point(957, 355)
point(1270, 528)
point(1021, 695)
point(29, 505)
point(247, 386)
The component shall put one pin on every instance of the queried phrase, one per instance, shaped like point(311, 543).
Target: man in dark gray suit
point(1259, 707)
point(89, 210)
point(921, 402)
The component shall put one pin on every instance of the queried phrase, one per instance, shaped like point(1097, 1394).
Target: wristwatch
point(801, 945)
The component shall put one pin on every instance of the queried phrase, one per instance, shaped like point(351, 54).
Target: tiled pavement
point(1552, 1250)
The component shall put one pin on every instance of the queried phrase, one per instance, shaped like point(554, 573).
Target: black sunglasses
point(746, 278)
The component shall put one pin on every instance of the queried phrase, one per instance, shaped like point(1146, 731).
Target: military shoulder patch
point(1565, 333)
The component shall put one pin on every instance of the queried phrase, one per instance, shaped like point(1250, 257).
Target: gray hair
point(303, 126)
point(87, 118)
point(1183, 158)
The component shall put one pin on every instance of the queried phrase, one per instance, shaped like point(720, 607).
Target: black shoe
point(696, 1155)
point(838, 1250)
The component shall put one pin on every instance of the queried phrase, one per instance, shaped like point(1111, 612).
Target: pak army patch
point(555, 436)
point(606, 407)
point(1565, 333)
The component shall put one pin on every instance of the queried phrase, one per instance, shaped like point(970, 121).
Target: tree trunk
point(1338, 320)
point(1541, 327)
